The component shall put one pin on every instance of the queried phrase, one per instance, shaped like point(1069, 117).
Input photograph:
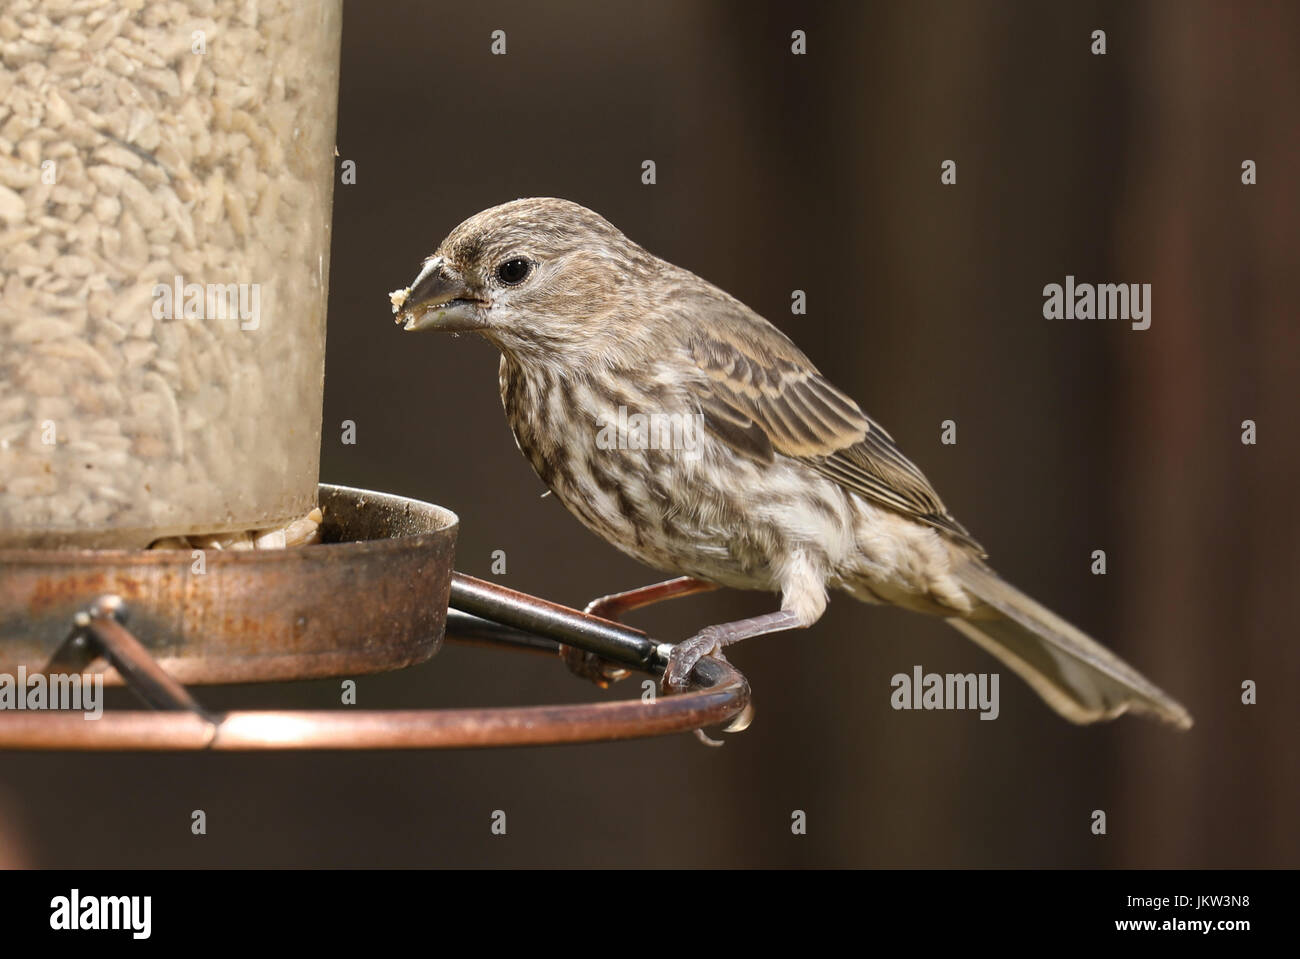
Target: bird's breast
point(628, 456)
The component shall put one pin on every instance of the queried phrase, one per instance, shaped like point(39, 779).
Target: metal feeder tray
point(378, 593)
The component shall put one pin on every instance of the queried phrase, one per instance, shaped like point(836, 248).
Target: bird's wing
point(762, 396)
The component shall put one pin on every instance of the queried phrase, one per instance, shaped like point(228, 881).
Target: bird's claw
point(686, 654)
point(683, 660)
point(590, 666)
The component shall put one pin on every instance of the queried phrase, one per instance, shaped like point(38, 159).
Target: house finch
point(775, 480)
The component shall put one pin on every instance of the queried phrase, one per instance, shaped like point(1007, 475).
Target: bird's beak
point(438, 299)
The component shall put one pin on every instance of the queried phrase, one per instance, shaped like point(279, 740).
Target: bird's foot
point(710, 640)
point(590, 666)
point(684, 656)
point(683, 659)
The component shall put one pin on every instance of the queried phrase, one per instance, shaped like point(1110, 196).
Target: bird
point(690, 433)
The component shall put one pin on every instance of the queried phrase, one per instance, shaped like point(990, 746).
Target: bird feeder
point(165, 197)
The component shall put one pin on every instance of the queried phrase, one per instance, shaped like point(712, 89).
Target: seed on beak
point(398, 299)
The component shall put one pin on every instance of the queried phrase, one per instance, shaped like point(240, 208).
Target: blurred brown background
point(821, 173)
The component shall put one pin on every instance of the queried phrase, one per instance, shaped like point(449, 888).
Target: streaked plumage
point(791, 487)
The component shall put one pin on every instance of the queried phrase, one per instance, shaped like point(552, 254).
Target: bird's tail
point(1079, 678)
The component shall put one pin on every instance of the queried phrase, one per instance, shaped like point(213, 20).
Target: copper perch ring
point(480, 612)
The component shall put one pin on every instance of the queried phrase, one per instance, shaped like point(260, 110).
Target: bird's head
point(536, 275)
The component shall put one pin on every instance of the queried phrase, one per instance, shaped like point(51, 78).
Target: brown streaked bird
point(775, 480)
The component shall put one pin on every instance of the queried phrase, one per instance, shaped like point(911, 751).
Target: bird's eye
point(513, 272)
